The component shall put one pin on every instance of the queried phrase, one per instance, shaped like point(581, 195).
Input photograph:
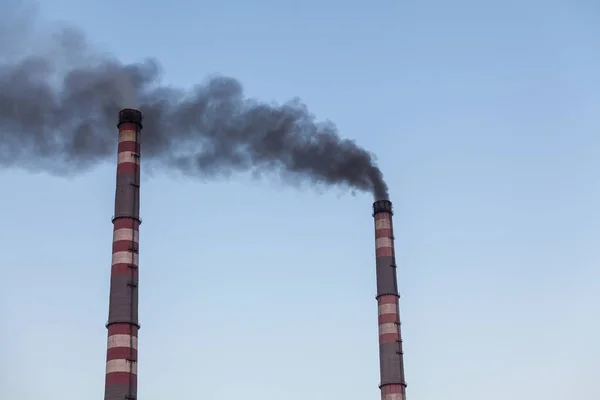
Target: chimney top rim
point(382, 206)
point(130, 115)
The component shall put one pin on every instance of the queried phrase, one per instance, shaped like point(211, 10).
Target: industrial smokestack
point(123, 325)
point(391, 358)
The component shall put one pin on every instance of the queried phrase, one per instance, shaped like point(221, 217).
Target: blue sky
point(484, 118)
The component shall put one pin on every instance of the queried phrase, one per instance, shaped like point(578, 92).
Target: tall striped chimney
point(123, 325)
point(391, 359)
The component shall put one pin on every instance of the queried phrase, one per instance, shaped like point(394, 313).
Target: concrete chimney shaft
point(123, 325)
point(391, 358)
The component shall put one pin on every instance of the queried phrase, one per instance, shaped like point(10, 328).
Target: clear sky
point(484, 117)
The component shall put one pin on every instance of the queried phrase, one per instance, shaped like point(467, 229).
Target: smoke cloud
point(59, 106)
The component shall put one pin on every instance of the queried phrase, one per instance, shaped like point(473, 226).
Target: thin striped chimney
point(391, 358)
point(123, 325)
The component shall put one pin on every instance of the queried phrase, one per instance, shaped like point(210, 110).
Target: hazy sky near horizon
point(484, 118)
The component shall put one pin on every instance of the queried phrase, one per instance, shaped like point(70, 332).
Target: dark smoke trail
point(58, 110)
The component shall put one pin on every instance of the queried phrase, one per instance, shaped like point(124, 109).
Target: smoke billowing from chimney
point(57, 111)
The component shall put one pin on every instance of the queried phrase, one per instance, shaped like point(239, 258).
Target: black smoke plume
point(58, 110)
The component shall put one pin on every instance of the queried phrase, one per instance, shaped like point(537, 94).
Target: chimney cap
point(382, 206)
point(130, 115)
